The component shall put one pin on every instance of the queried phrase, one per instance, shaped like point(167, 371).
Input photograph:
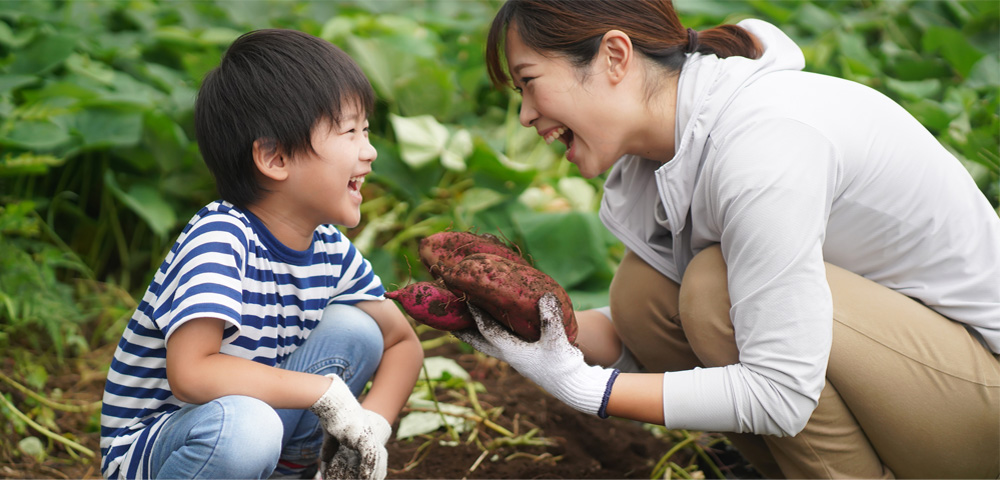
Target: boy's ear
point(269, 159)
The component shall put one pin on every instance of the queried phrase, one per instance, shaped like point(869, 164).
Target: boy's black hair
point(273, 85)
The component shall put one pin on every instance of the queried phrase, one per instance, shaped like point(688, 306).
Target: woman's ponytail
point(726, 41)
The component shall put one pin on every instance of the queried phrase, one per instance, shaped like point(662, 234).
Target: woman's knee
point(704, 309)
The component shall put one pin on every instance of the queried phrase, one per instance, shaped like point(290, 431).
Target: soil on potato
point(580, 446)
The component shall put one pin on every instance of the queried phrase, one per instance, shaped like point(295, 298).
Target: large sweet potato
point(509, 292)
point(443, 250)
point(432, 304)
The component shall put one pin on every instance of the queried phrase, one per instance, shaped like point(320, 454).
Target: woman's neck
point(654, 132)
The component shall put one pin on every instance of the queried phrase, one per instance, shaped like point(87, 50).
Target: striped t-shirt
point(225, 265)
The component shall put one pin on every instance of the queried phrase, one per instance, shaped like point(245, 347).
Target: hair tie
point(692, 45)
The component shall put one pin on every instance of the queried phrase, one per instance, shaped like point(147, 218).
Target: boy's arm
point(199, 373)
point(401, 360)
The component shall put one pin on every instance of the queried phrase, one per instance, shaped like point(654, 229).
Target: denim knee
point(248, 437)
point(358, 341)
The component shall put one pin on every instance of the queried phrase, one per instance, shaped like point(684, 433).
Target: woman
point(807, 267)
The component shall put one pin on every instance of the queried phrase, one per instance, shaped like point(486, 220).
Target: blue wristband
point(603, 411)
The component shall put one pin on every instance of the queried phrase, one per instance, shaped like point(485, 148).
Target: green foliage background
point(99, 170)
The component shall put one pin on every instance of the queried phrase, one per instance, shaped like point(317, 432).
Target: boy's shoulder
point(218, 217)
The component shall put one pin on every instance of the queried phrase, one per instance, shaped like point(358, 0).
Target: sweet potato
point(443, 250)
point(509, 292)
point(432, 304)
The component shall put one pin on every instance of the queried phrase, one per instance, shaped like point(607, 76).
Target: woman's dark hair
point(272, 85)
point(574, 28)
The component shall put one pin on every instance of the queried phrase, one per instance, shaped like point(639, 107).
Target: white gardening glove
point(344, 419)
point(340, 461)
point(551, 362)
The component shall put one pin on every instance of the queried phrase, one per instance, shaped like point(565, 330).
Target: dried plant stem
point(44, 431)
point(49, 403)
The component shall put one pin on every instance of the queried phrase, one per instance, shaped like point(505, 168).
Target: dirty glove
point(339, 461)
point(551, 362)
point(352, 426)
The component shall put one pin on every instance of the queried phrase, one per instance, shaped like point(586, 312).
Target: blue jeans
point(241, 437)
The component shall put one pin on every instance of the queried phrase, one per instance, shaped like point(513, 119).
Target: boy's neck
point(288, 229)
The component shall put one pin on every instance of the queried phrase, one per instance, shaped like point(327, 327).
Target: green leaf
point(985, 73)
point(438, 366)
point(420, 423)
point(12, 82)
point(915, 90)
point(855, 56)
point(15, 40)
point(42, 55)
point(421, 139)
point(147, 202)
point(815, 19)
point(105, 127)
point(569, 246)
point(36, 135)
point(32, 447)
point(459, 147)
point(27, 163)
point(475, 200)
point(953, 46)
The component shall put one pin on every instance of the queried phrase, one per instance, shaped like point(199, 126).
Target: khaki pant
point(909, 393)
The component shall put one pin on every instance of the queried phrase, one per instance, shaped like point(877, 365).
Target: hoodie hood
point(646, 203)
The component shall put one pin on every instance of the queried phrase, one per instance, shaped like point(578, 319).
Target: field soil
point(568, 444)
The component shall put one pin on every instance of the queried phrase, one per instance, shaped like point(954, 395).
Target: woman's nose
point(527, 114)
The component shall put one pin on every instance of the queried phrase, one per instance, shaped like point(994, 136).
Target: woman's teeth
point(553, 135)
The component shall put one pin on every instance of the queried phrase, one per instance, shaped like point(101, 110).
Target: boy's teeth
point(553, 135)
point(358, 181)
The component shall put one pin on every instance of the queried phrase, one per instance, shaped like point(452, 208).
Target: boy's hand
point(355, 428)
point(346, 461)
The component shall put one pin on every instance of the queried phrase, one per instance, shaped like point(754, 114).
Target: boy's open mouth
point(355, 183)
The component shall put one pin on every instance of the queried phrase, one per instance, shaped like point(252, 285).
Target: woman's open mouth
point(563, 134)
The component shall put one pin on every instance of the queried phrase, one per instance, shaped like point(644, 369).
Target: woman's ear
point(616, 47)
point(269, 159)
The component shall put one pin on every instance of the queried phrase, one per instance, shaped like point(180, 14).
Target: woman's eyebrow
point(521, 66)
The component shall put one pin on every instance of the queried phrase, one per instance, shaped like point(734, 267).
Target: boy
point(264, 323)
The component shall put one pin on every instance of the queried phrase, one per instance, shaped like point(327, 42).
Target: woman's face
point(564, 105)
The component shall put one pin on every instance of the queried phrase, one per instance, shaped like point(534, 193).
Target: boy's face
point(327, 184)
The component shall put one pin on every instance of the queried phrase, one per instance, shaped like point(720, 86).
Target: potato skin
point(443, 250)
point(509, 292)
point(430, 303)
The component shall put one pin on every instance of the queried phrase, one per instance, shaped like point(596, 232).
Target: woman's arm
point(401, 360)
point(198, 373)
point(637, 396)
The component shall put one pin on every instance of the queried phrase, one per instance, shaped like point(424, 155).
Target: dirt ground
point(576, 445)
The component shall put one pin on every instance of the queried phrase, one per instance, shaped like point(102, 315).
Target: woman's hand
point(551, 362)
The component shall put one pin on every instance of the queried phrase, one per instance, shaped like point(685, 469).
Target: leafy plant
point(99, 170)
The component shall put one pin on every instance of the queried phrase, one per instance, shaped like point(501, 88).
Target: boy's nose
point(368, 153)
